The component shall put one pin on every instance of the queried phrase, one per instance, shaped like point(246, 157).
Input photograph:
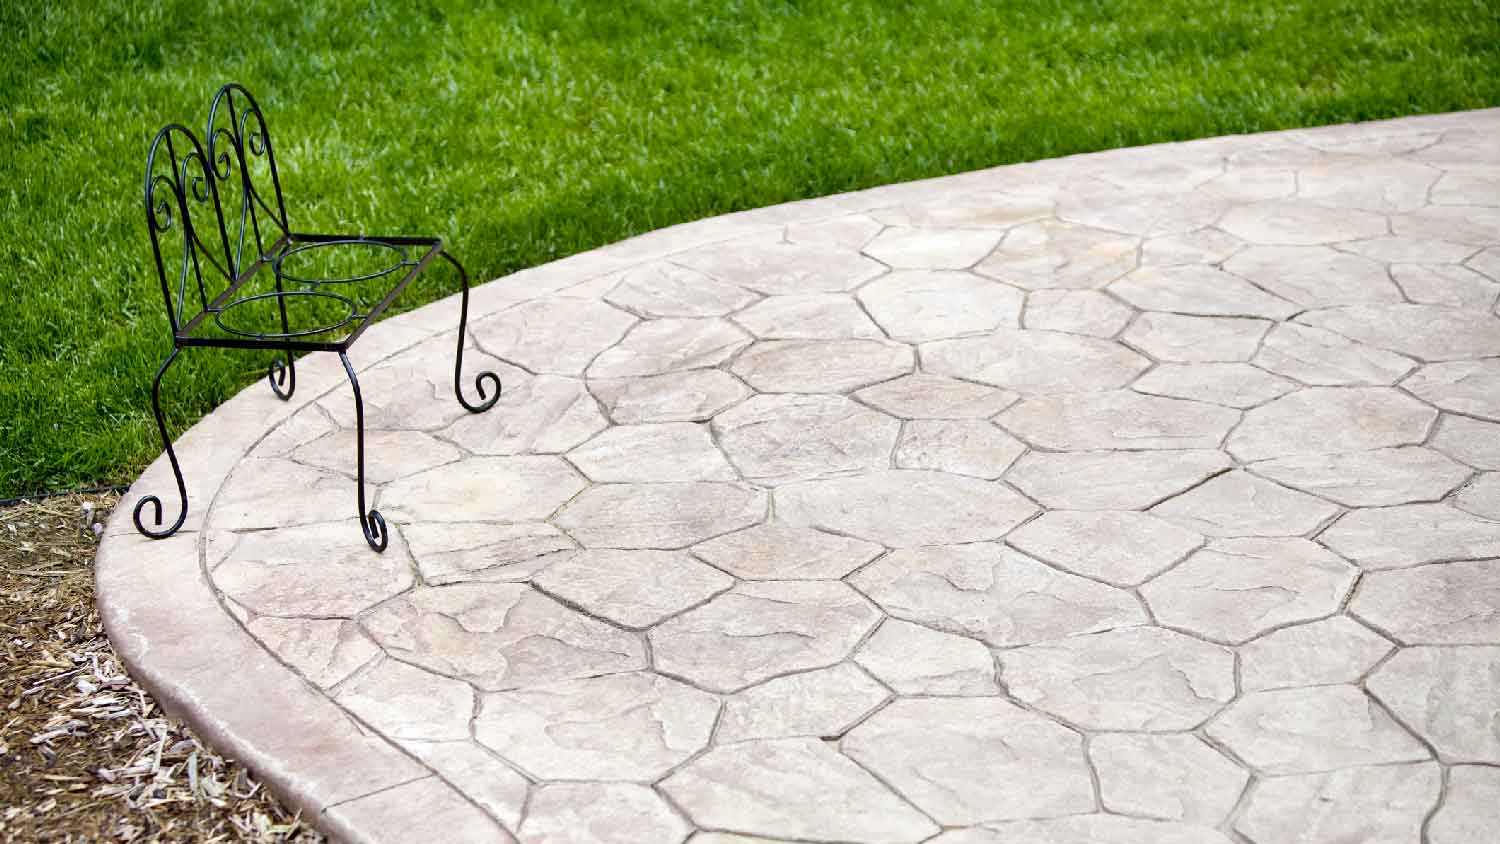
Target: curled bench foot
point(159, 532)
point(487, 398)
point(283, 377)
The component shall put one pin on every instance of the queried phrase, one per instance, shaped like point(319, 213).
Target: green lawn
point(532, 130)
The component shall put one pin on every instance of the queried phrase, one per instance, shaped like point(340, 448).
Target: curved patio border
point(176, 638)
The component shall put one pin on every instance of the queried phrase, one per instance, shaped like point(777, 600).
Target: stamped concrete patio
point(1147, 497)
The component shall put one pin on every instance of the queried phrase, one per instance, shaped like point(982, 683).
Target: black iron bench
point(234, 282)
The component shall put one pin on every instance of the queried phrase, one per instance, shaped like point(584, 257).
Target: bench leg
point(283, 373)
point(371, 522)
point(283, 377)
point(486, 401)
point(161, 426)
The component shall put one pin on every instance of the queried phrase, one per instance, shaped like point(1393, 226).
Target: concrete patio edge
point(176, 638)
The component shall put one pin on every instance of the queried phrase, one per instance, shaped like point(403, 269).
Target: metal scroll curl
point(186, 222)
point(239, 144)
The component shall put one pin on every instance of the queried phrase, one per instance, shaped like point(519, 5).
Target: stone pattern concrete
point(1147, 496)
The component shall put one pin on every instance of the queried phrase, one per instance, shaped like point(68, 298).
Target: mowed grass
point(526, 131)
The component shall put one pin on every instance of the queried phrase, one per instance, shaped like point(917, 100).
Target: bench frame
point(224, 258)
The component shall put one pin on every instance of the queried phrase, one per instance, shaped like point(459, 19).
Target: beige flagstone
point(1449, 696)
point(1307, 730)
point(821, 366)
point(1331, 650)
point(1051, 253)
point(528, 336)
point(1118, 420)
point(540, 414)
point(1112, 480)
point(669, 451)
point(904, 507)
point(499, 636)
point(777, 551)
point(1088, 312)
point(1316, 356)
point(1121, 547)
point(1240, 504)
point(1237, 385)
point(781, 438)
point(918, 305)
point(796, 787)
point(634, 726)
point(757, 631)
point(1172, 776)
point(959, 446)
point(1035, 361)
point(993, 593)
point(925, 396)
point(965, 761)
point(691, 396)
point(939, 248)
point(782, 268)
point(1185, 338)
point(1315, 276)
point(1195, 289)
point(600, 813)
point(1087, 829)
point(632, 588)
point(1380, 805)
point(824, 702)
point(1133, 678)
point(1286, 221)
point(660, 346)
point(1428, 332)
point(1376, 478)
point(1461, 387)
point(1324, 420)
point(1452, 603)
point(1472, 808)
point(1471, 441)
point(480, 489)
point(659, 515)
point(1411, 534)
point(664, 289)
point(915, 660)
point(1236, 589)
point(808, 316)
point(456, 552)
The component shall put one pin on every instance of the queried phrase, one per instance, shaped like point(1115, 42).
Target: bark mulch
point(85, 753)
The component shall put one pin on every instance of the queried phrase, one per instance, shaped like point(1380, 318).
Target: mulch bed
point(85, 753)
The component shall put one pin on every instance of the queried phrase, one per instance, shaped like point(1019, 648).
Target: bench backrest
point(213, 212)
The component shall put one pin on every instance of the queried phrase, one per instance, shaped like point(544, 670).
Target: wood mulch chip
point(85, 753)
